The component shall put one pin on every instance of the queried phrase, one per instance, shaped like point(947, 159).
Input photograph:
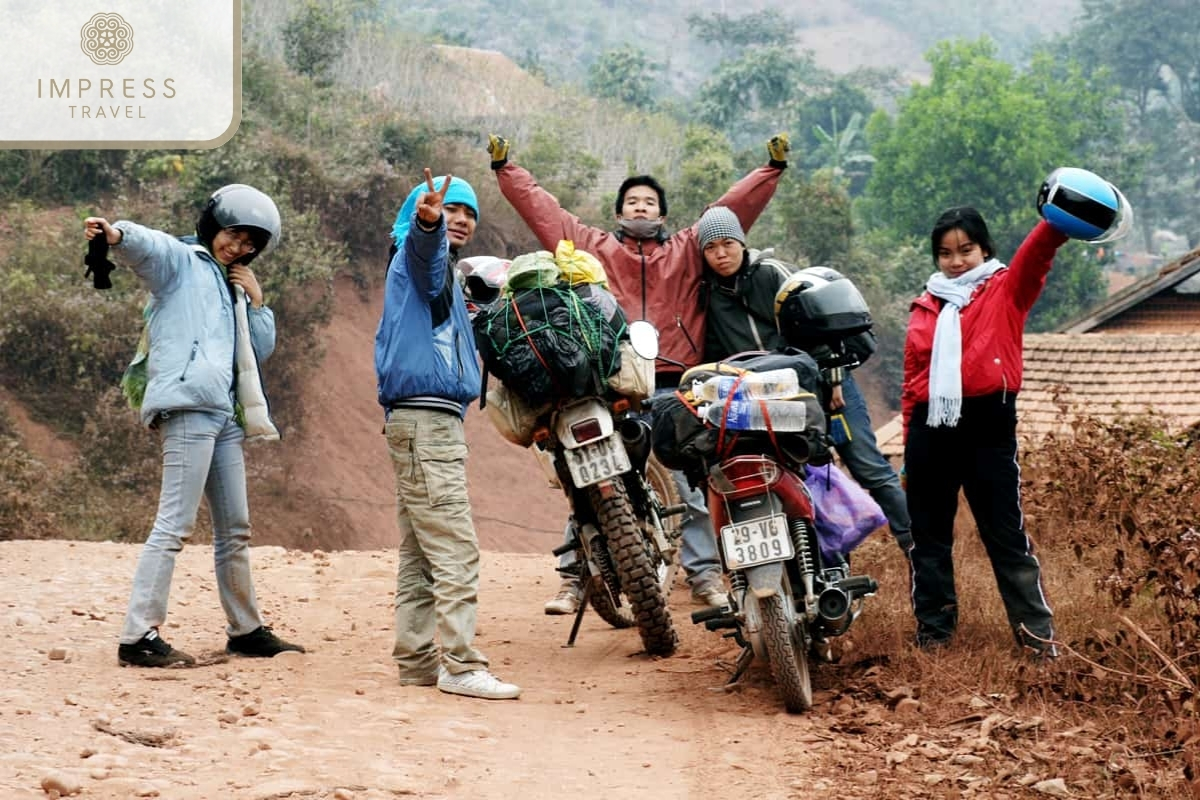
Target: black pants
point(979, 456)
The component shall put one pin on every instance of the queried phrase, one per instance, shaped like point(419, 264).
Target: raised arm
point(748, 197)
point(154, 256)
point(1031, 264)
point(426, 248)
point(539, 209)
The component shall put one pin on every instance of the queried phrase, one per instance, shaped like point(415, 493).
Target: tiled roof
point(1170, 276)
point(1102, 375)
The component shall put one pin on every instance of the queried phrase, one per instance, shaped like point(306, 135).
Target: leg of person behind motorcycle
point(698, 550)
point(697, 554)
point(570, 592)
point(870, 467)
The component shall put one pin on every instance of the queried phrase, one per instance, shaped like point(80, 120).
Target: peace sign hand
point(429, 204)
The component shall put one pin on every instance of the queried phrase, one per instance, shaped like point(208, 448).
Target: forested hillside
point(345, 101)
point(845, 34)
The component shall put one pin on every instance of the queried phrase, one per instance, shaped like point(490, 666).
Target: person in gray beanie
point(739, 302)
point(719, 222)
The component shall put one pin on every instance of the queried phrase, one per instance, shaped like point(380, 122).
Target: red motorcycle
point(789, 594)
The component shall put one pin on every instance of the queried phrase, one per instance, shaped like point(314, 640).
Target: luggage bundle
point(687, 434)
point(555, 333)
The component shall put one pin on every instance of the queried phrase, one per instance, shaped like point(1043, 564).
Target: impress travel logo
point(125, 74)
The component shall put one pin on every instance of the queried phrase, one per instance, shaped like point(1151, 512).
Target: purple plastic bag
point(845, 513)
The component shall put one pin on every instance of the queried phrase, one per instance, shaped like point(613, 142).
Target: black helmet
point(819, 305)
point(245, 208)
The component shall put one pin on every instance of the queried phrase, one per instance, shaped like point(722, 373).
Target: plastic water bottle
point(752, 415)
point(775, 384)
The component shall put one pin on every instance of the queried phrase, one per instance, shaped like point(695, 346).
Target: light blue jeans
point(698, 546)
point(202, 455)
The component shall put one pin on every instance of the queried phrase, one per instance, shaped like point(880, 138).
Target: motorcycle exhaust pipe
point(636, 435)
point(833, 606)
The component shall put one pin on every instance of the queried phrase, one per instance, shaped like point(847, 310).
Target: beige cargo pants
point(437, 580)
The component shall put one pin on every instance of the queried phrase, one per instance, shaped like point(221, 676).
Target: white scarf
point(250, 395)
point(945, 366)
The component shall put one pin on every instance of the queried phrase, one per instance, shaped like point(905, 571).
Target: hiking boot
point(260, 643)
point(152, 651)
point(567, 599)
point(709, 593)
point(477, 683)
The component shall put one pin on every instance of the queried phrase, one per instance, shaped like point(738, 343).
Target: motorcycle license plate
point(597, 461)
point(756, 541)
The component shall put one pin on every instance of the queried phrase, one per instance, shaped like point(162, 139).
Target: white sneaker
point(477, 683)
point(567, 599)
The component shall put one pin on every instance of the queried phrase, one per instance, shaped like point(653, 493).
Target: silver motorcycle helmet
point(242, 208)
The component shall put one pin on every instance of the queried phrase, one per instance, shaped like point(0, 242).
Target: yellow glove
point(498, 148)
point(778, 149)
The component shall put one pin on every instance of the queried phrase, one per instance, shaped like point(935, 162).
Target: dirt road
point(599, 718)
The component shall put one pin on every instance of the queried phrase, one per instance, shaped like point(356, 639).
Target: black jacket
point(740, 310)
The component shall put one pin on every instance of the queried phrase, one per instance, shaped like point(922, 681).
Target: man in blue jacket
point(428, 375)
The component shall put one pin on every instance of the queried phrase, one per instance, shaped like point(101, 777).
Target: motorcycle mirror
point(644, 338)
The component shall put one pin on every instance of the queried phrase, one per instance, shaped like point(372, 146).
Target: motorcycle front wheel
point(788, 658)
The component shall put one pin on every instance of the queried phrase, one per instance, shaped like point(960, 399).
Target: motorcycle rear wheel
point(602, 603)
point(635, 570)
point(788, 658)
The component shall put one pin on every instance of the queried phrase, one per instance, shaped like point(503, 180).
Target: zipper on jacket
point(754, 329)
point(643, 257)
point(686, 335)
point(1003, 383)
point(191, 358)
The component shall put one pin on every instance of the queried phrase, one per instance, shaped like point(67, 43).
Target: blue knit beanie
point(459, 193)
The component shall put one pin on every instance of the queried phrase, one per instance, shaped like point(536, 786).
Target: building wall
point(1167, 312)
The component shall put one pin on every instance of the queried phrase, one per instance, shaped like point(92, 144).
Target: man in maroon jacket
point(655, 277)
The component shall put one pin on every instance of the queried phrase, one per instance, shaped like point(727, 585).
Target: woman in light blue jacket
point(190, 398)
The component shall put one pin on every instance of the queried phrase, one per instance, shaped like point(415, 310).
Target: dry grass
point(1111, 511)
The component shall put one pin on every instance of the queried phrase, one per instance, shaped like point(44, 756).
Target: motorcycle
point(597, 449)
point(788, 595)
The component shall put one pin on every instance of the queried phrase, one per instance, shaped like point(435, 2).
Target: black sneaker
point(260, 643)
point(152, 651)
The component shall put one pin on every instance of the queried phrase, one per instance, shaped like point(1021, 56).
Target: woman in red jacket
point(962, 374)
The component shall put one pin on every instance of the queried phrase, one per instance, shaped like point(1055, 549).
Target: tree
point(983, 134)
point(564, 168)
point(1152, 48)
point(313, 39)
point(1151, 51)
point(838, 151)
point(759, 92)
point(625, 75)
point(705, 172)
point(734, 35)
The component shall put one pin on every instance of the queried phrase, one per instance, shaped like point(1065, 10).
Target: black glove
point(98, 265)
point(498, 148)
point(777, 151)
